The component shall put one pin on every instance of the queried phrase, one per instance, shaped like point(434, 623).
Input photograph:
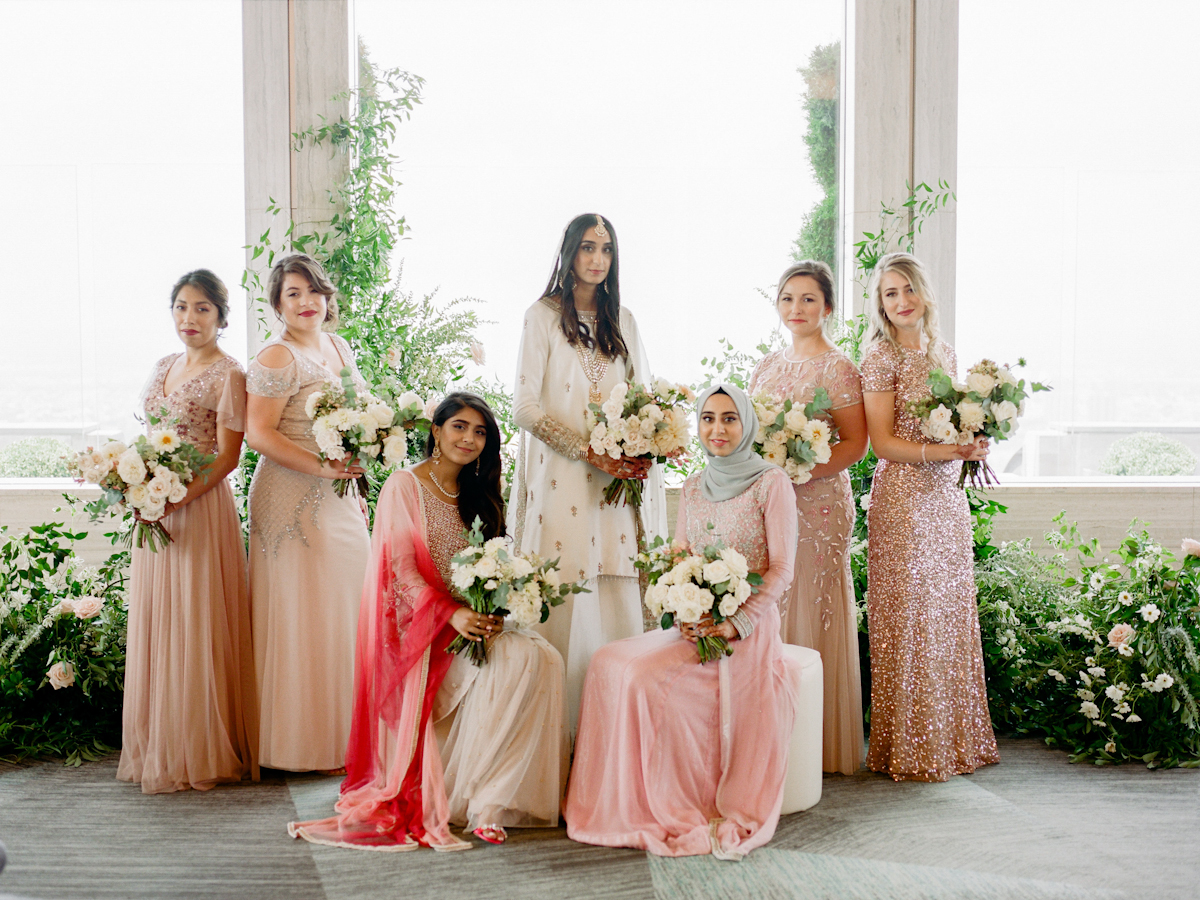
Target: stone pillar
point(905, 124)
point(295, 61)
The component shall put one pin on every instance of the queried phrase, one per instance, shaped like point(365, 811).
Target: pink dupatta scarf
point(394, 792)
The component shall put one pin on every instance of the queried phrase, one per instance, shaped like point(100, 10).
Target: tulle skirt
point(189, 717)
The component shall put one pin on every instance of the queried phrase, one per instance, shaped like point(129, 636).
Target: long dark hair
point(608, 295)
point(479, 492)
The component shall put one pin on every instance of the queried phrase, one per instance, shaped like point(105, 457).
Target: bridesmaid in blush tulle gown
point(819, 610)
point(189, 713)
point(437, 739)
point(683, 759)
point(929, 712)
point(308, 546)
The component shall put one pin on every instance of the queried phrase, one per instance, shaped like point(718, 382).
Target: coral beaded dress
point(929, 712)
point(819, 611)
point(684, 759)
point(308, 555)
point(189, 717)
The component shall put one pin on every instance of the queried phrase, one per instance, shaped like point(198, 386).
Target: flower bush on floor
point(62, 646)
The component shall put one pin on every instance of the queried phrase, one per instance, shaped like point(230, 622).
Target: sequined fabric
point(444, 533)
point(217, 396)
point(739, 521)
point(929, 713)
point(286, 504)
point(819, 609)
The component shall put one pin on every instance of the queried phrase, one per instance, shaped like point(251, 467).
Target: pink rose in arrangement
point(63, 607)
point(1190, 547)
point(61, 675)
point(88, 607)
point(1121, 635)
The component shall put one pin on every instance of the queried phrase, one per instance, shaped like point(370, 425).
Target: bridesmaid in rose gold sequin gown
point(189, 717)
point(819, 609)
point(929, 712)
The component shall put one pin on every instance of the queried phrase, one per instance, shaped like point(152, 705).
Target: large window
point(683, 122)
point(122, 166)
point(1079, 181)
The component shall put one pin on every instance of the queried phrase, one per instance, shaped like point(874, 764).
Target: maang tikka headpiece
point(601, 231)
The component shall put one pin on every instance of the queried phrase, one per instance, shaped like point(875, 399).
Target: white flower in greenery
point(795, 419)
point(816, 431)
point(980, 383)
point(310, 405)
point(178, 492)
point(381, 413)
point(778, 437)
point(1085, 694)
point(1089, 709)
point(463, 576)
point(158, 489)
point(1085, 678)
point(1134, 718)
point(164, 440)
point(1110, 747)
point(1096, 671)
point(61, 675)
point(131, 467)
point(1005, 411)
point(775, 454)
point(521, 567)
point(742, 591)
point(1116, 692)
point(1125, 598)
point(1163, 681)
point(1056, 675)
point(735, 561)
point(137, 496)
point(688, 601)
point(970, 416)
point(945, 434)
point(612, 409)
point(112, 451)
point(478, 353)
point(1096, 582)
point(409, 399)
point(1005, 376)
point(656, 594)
point(821, 453)
point(431, 406)
point(395, 356)
point(88, 607)
point(1149, 612)
point(939, 416)
point(395, 448)
point(728, 605)
point(152, 512)
point(716, 572)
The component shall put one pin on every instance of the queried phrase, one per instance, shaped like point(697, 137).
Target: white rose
point(520, 567)
point(939, 415)
point(61, 675)
point(717, 571)
point(1006, 376)
point(653, 412)
point(178, 492)
point(112, 451)
point(412, 398)
point(310, 405)
point(462, 577)
point(152, 512)
point(655, 595)
point(760, 436)
point(431, 406)
point(64, 607)
point(735, 561)
point(620, 390)
point(742, 591)
point(487, 567)
point(777, 437)
point(1004, 411)
point(381, 414)
point(980, 383)
point(795, 419)
point(946, 434)
point(137, 495)
point(158, 489)
point(395, 448)
point(822, 453)
point(686, 602)
point(728, 605)
point(791, 468)
point(612, 409)
point(131, 468)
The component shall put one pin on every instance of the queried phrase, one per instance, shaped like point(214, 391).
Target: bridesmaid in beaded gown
point(819, 610)
point(189, 711)
point(683, 759)
point(929, 712)
point(437, 739)
point(308, 547)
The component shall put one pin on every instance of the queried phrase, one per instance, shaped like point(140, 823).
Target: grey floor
point(1033, 827)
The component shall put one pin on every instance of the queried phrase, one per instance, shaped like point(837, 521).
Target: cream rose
point(980, 383)
point(717, 572)
point(131, 468)
point(395, 448)
point(88, 607)
point(1190, 547)
point(1121, 635)
point(1005, 411)
point(735, 561)
point(381, 413)
point(61, 675)
point(795, 419)
point(728, 605)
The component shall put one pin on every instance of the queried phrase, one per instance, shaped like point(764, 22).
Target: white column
point(295, 59)
point(905, 123)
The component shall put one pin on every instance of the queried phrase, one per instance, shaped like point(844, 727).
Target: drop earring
point(437, 454)
point(477, 467)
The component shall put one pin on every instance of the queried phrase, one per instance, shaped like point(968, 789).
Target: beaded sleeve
point(266, 382)
point(743, 623)
point(559, 438)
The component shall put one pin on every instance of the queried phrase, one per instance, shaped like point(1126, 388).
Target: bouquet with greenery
point(792, 436)
point(497, 581)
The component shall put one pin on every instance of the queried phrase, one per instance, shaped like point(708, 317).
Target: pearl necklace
point(437, 484)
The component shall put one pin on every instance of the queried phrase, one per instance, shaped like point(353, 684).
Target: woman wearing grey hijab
point(698, 752)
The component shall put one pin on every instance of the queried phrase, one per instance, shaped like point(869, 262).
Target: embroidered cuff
point(559, 438)
point(743, 624)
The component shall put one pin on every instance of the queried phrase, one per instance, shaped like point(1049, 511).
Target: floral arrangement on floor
point(791, 436)
point(685, 585)
point(987, 404)
point(143, 477)
point(639, 421)
point(348, 425)
point(1100, 657)
point(496, 580)
point(1145, 453)
point(62, 646)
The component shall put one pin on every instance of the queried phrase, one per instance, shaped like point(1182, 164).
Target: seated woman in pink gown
point(684, 759)
point(436, 739)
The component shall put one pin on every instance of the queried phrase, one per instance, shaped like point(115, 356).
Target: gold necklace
point(437, 484)
point(595, 367)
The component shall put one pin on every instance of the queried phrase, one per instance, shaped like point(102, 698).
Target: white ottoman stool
point(802, 784)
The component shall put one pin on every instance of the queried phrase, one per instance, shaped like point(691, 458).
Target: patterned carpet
point(1032, 828)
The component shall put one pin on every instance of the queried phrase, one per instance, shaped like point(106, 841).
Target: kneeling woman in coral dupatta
point(498, 754)
point(684, 759)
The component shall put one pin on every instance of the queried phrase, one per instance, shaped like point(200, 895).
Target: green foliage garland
point(819, 232)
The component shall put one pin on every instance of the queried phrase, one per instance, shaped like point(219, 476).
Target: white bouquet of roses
point(685, 586)
point(792, 436)
point(987, 404)
point(143, 477)
point(639, 421)
point(348, 425)
point(496, 581)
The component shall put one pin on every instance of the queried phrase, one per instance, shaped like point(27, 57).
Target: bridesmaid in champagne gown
point(684, 759)
point(929, 712)
point(308, 547)
point(437, 739)
point(819, 610)
point(189, 711)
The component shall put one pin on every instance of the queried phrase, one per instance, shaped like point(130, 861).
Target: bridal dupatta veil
point(394, 790)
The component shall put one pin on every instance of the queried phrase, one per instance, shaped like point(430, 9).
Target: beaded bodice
point(906, 374)
point(738, 521)
point(195, 404)
point(781, 378)
point(443, 533)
